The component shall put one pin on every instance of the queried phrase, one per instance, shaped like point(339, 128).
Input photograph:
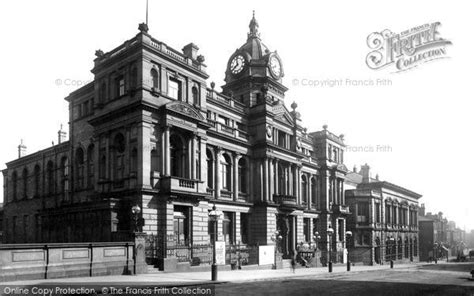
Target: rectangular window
point(281, 139)
point(244, 227)
point(228, 226)
point(387, 214)
point(340, 229)
point(363, 213)
point(181, 226)
point(174, 89)
point(377, 213)
point(119, 86)
point(307, 229)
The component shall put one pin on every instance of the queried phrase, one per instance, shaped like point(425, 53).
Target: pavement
point(199, 278)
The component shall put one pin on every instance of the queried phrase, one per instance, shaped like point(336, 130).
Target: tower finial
point(253, 27)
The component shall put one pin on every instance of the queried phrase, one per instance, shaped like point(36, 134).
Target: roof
point(424, 219)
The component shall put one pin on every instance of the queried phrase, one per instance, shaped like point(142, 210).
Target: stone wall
point(38, 261)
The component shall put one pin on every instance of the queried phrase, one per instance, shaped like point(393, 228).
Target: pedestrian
point(293, 262)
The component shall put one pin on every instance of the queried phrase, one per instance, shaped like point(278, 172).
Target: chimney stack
point(191, 51)
point(21, 149)
point(365, 172)
point(61, 135)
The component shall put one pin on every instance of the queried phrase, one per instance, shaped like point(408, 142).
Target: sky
point(411, 127)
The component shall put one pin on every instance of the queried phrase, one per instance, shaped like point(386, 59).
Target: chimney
point(365, 172)
point(191, 51)
point(61, 135)
point(21, 149)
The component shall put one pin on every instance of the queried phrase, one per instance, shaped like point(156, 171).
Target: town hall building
point(149, 131)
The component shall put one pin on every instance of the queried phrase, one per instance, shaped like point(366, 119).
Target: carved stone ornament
point(185, 109)
point(269, 131)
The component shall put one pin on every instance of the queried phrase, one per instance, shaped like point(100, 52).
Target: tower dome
point(253, 58)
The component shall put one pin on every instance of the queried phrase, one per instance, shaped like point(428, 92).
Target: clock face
point(237, 64)
point(275, 66)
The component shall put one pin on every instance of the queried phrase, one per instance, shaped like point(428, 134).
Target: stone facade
point(384, 220)
point(149, 131)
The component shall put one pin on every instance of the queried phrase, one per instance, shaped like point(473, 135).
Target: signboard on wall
point(220, 252)
point(266, 255)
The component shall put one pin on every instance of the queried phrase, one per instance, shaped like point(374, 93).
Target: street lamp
point(214, 217)
point(330, 233)
point(135, 211)
point(348, 235)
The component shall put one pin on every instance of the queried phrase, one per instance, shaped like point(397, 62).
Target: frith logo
point(406, 50)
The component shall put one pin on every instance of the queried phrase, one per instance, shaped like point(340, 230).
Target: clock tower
point(254, 72)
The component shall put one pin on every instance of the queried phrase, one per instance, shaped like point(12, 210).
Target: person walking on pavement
point(293, 262)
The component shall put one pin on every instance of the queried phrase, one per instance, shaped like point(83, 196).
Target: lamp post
point(330, 233)
point(348, 235)
point(135, 211)
point(214, 217)
point(276, 238)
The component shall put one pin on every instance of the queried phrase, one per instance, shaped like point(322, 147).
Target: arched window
point(119, 149)
point(79, 168)
point(178, 156)
point(304, 189)
point(415, 247)
point(14, 185)
point(50, 177)
point(154, 79)
point(154, 160)
point(90, 165)
point(226, 169)
point(65, 178)
point(406, 247)
point(210, 169)
point(400, 249)
point(243, 175)
point(134, 160)
point(37, 180)
point(195, 95)
point(25, 182)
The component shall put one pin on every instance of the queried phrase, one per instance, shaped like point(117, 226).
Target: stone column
point(277, 190)
point(298, 185)
point(167, 151)
point(265, 182)
point(271, 179)
point(310, 192)
point(195, 168)
point(218, 173)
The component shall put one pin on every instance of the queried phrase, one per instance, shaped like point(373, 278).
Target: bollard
point(391, 263)
point(348, 265)
point(330, 266)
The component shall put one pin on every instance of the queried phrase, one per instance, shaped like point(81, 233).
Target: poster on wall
point(220, 252)
point(266, 255)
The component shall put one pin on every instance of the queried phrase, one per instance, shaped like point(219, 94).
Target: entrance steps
point(152, 269)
